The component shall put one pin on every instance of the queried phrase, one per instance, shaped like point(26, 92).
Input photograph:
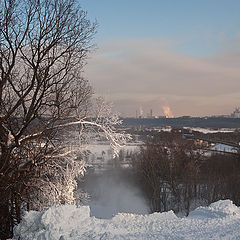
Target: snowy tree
point(44, 99)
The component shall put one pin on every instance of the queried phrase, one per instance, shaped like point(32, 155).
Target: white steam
point(167, 112)
point(114, 192)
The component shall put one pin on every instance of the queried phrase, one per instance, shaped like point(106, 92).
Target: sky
point(179, 55)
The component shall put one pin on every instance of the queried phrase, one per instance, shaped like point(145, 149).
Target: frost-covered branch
point(47, 114)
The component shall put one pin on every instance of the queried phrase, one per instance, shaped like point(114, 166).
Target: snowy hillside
point(221, 220)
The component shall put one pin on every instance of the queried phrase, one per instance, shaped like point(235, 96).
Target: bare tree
point(169, 169)
point(43, 48)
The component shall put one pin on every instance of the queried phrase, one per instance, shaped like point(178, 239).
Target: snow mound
point(220, 209)
point(221, 220)
point(51, 222)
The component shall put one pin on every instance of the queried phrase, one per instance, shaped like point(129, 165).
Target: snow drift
point(221, 220)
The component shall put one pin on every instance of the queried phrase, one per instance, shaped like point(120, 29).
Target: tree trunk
point(6, 220)
point(6, 204)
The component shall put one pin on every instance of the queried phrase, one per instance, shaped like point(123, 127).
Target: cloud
point(149, 72)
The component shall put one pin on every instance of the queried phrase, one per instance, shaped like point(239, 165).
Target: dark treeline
point(205, 122)
point(231, 137)
point(176, 174)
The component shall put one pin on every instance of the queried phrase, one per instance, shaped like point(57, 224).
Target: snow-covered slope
point(221, 220)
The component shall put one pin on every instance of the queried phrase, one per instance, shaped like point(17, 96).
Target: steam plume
point(141, 111)
point(167, 112)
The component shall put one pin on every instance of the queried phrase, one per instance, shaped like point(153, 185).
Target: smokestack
point(141, 112)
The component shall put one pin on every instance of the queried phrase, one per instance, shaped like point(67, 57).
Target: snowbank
point(221, 220)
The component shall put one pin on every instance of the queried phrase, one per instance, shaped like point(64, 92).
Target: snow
point(163, 129)
point(209, 130)
point(224, 148)
point(221, 220)
point(102, 153)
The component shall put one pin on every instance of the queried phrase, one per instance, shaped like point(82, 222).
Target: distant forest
point(207, 122)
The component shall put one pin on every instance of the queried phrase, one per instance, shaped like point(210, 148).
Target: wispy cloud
point(145, 72)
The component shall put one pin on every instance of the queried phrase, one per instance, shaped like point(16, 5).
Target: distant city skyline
point(167, 113)
point(182, 55)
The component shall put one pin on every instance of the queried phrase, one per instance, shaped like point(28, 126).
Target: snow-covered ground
point(221, 220)
point(224, 148)
point(101, 153)
point(209, 130)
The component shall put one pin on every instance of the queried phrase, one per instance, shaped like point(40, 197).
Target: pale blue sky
point(184, 54)
point(201, 26)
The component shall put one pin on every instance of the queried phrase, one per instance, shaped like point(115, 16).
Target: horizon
point(180, 116)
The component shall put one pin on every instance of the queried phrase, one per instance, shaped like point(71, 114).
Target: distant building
point(150, 115)
point(236, 113)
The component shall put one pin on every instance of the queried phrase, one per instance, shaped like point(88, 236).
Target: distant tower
point(236, 113)
point(151, 113)
point(141, 112)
